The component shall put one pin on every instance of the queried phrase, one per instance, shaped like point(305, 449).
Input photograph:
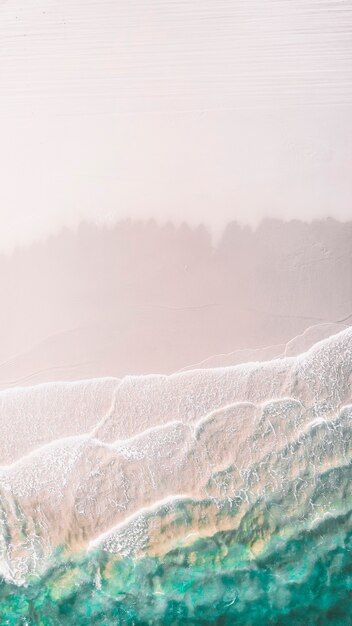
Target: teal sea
point(232, 506)
point(301, 580)
point(306, 581)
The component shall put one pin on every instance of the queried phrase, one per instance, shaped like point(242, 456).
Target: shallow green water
point(287, 560)
point(305, 580)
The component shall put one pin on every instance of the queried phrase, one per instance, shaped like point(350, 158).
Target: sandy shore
point(95, 461)
point(141, 298)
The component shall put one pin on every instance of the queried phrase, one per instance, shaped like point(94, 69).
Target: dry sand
point(141, 298)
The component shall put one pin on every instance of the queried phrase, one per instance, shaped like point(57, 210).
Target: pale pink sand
point(140, 298)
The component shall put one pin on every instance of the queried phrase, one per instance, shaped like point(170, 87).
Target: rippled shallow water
point(244, 518)
point(306, 579)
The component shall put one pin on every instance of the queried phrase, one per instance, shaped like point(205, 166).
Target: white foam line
point(282, 355)
point(90, 436)
point(61, 443)
point(198, 364)
point(142, 511)
point(189, 373)
point(150, 431)
point(57, 443)
point(308, 329)
point(263, 364)
point(86, 438)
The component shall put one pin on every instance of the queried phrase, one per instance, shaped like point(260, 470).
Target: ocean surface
point(212, 496)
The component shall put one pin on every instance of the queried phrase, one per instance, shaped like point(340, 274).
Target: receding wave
point(209, 496)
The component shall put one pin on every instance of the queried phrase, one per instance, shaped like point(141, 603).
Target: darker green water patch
point(304, 581)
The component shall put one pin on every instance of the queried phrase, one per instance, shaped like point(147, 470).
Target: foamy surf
point(225, 438)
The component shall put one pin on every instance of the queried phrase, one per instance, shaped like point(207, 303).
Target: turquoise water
point(304, 580)
point(270, 526)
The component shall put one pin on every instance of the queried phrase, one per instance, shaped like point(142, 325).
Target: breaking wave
point(213, 496)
